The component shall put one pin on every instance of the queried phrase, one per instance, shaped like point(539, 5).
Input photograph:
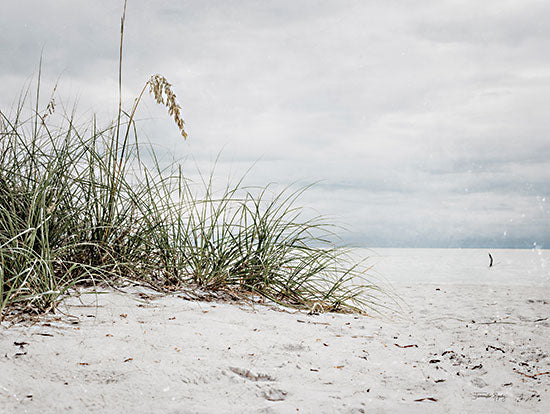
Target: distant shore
point(511, 267)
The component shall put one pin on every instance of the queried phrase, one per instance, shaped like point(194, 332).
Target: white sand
point(174, 356)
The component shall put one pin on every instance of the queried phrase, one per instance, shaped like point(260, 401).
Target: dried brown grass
point(161, 89)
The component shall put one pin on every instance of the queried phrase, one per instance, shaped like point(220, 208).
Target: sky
point(424, 124)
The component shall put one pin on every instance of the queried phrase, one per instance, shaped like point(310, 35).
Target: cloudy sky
point(426, 123)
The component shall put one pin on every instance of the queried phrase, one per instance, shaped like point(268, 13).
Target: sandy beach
point(224, 174)
point(453, 348)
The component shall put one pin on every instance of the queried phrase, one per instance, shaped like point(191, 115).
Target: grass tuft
point(78, 206)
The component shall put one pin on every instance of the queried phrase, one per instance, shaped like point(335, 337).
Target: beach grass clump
point(75, 211)
point(80, 204)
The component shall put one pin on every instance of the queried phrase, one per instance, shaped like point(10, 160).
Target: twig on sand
point(426, 399)
point(495, 322)
point(496, 348)
point(534, 375)
point(406, 346)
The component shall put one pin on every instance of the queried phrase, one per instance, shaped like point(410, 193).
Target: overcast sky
point(427, 123)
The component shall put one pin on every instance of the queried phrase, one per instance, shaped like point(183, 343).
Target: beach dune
point(453, 348)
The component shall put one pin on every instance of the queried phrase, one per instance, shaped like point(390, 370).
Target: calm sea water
point(465, 266)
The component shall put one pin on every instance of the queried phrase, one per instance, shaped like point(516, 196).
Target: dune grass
point(79, 205)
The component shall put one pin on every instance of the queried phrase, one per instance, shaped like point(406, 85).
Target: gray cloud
point(426, 124)
point(510, 24)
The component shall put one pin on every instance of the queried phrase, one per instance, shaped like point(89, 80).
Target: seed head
point(161, 89)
